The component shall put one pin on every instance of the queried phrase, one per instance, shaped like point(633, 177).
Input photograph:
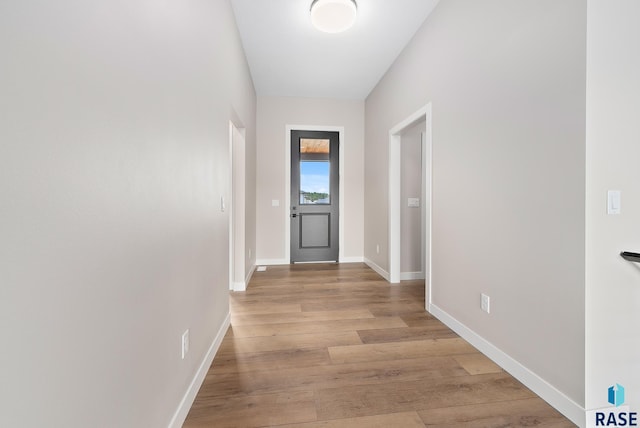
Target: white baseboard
point(272, 262)
point(190, 395)
point(242, 285)
point(351, 259)
point(247, 280)
point(546, 391)
point(276, 262)
point(408, 276)
point(383, 273)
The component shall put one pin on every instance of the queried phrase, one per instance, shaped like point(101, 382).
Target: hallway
point(336, 346)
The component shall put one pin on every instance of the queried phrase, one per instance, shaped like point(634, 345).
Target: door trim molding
point(287, 184)
point(394, 196)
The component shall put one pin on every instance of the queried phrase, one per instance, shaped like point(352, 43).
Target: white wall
point(507, 85)
point(613, 150)
point(274, 114)
point(113, 158)
point(411, 187)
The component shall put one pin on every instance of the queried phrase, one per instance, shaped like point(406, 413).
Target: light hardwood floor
point(335, 345)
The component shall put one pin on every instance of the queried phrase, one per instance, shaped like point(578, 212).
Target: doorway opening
point(413, 204)
point(395, 195)
point(237, 259)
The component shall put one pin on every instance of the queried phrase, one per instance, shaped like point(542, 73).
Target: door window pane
point(314, 146)
point(315, 180)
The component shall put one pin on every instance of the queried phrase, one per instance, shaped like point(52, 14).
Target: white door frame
point(287, 185)
point(394, 193)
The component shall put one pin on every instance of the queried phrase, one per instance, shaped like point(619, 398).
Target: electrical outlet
point(485, 303)
point(185, 343)
point(377, 248)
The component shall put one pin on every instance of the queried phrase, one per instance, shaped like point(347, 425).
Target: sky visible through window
point(314, 182)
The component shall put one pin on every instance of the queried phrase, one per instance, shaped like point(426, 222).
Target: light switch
point(275, 202)
point(413, 202)
point(613, 201)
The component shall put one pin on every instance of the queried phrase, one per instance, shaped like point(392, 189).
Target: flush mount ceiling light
point(333, 16)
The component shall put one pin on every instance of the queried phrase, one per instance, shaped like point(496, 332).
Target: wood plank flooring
point(335, 345)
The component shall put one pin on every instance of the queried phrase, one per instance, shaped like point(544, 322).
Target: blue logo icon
point(616, 395)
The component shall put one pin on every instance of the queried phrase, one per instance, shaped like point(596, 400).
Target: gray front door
point(314, 196)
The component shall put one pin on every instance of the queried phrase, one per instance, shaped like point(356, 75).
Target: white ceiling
point(288, 57)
